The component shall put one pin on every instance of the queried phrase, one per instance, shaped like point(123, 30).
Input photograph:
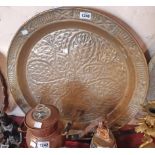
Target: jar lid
point(42, 116)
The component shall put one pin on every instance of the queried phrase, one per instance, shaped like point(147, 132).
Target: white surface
point(77, 3)
point(37, 124)
point(85, 15)
point(141, 19)
point(33, 144)
point(24, 32)
point(16, 111)
point(45, 144)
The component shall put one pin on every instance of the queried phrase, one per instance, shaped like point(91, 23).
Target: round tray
point(85, 62)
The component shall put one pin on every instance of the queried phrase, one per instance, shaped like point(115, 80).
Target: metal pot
point(44, 127)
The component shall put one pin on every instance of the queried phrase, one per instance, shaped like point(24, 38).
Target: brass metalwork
point(103, 137)
point(146, 125)
point(92, 64)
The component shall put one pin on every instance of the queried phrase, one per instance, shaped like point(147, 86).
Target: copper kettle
point(44, 127)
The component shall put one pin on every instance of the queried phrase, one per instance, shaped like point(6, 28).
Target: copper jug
point(103, 137)
point(44, 127)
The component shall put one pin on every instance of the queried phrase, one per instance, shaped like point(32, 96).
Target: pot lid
point(42, 116)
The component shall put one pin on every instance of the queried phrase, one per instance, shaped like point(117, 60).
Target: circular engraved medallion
point(83, 61)
point(41, 112)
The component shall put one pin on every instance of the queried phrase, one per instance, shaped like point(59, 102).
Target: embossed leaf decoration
point(151, 120)
point(151, 132)
point(141, 128)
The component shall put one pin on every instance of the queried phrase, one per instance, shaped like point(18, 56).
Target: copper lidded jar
point(44, 127)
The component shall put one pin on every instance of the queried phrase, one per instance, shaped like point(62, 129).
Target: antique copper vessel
point(103, 137)
point(44, 127)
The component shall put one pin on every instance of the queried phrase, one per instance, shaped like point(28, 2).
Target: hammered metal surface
point(90, 65)
point(76, 69)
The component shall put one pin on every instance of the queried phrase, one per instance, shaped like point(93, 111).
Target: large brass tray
point(81, 60)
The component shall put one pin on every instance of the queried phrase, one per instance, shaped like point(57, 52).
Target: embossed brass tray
point(82, 61)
